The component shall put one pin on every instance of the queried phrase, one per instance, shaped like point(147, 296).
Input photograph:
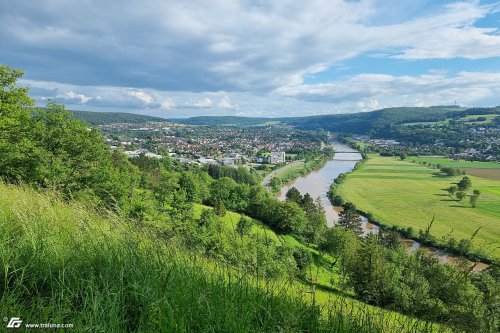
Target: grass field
point(488, 170)
point(406, 194)
point(461, 164)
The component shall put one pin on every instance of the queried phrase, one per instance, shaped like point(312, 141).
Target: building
point(276, 157)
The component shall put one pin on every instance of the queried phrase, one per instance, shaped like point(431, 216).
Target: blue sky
point(254, 58)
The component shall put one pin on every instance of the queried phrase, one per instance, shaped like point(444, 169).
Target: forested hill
point(227, 120)
point(365, 122)
point(361, 122)
point(103, 118)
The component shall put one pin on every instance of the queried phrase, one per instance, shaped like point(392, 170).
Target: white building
point(276, 157)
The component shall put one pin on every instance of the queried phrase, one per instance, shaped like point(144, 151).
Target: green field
point(406, 194)
point(461, 164)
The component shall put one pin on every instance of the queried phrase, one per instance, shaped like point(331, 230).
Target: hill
point(361, 122)
point(104, 118)
point(63, 261)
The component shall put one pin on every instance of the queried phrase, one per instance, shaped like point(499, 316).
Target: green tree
point(244, 226)
point(460, 195)
point(288, 217)
point(473, 200)
point(190, 185)
point(464, 184)
point(350, 219)
point(452, 189)
point(219, 208)
point(294, 195)
point(275, 184)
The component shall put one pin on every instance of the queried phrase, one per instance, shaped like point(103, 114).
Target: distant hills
point(362, 122)
point(104, 118)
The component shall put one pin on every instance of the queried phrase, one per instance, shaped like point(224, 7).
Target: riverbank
point(289, 173)
point(405, 197)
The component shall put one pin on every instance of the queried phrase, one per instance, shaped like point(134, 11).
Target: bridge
point(345, 160)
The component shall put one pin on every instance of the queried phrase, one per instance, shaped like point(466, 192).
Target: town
point(227, 145)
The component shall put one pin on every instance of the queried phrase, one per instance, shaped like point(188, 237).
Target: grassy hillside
point(62, 263)
point(406, 194)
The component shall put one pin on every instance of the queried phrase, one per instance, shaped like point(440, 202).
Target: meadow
point(404, 194)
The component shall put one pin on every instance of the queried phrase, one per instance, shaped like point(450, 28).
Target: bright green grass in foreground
point(62, 263)
point(408, 195)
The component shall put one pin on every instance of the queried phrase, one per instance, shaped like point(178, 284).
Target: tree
point(349, 219)
point(473, 200)
point(275, 184)
point(49, 148)
point(288, 217)
point(452, 189)
point(464, 184)
point(477, 192)
point(460, 195)
point(219, 208)
point(403, 156)
point(316, 222)
point(189, 184)
point(294, 195)
point(303, 259)
point(244, 226)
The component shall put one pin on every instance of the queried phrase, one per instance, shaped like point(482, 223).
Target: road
point(268, 178)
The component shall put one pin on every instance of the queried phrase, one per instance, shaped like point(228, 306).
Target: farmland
point(406, 194)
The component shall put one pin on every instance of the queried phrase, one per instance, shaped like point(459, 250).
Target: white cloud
point(371, 91)
point(75, 96)
point(167, 104)
point(142, 96)
point(252, 46)
point(225, 103)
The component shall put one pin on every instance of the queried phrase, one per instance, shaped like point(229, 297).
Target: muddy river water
point(318, 182)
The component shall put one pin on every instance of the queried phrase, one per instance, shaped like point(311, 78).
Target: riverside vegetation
point(92, 238)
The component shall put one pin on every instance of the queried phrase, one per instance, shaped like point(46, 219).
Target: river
point(317, 184)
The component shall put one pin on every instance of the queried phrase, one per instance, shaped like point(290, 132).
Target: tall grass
point(64, 263)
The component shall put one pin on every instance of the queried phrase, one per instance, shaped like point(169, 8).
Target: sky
point(257, 58)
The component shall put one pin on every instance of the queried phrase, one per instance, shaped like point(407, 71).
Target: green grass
point(405, 194)
point(64, 263)
point(460, 164)
point(231, 220)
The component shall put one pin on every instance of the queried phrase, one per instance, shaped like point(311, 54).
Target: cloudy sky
point(254, 58)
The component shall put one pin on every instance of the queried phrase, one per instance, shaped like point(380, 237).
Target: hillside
point(63, 261)
point(361, 122)
point(104, 118)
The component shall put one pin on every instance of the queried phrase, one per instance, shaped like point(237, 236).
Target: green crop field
point(406, 194)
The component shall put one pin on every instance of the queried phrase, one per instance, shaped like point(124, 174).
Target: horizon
point(255, 59)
